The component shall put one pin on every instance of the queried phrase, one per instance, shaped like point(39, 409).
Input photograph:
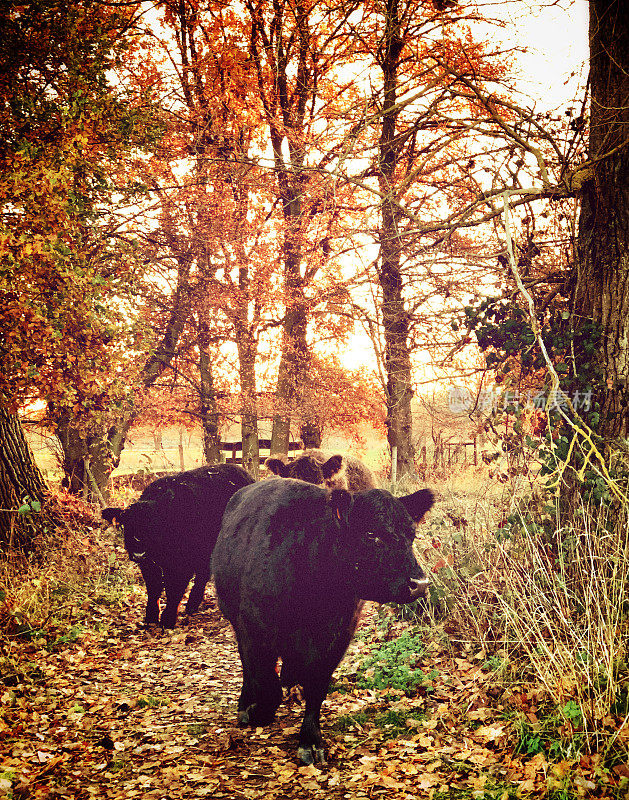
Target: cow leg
point(261, 692)
point(154, 582)
point(197, 592)
point(311, 748)
point(176, 584)
point(247, 693)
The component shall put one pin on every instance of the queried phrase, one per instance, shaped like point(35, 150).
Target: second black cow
point(171, 532)
point(292, 565)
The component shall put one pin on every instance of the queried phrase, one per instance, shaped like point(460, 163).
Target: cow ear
point(418, 503)
point(110, 514)
point(277, 466)
point(340, 502)
point(331, 467)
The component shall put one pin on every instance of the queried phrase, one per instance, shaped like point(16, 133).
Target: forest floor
point(104, 708)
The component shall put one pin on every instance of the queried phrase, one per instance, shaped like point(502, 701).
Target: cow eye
point(374, 538)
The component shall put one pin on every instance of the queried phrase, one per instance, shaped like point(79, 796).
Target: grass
point(392, 666)
point(545, 597)
point(149, 701)
point(394, 723)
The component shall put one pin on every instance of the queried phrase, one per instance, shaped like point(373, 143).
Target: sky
point(555, 35)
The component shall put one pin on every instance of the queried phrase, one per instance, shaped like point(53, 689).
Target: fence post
point(182, 462)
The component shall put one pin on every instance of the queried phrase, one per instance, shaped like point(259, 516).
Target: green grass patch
point(558, 733)
point(197, 728)
point(393, 722)
point(397, 722)
point(7, 778)
point(393, 665)
point(148, 701)
point(348, 722)
point(73, 635)
point(488, 792)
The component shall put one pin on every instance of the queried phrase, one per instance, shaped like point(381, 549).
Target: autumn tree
point(256, 230)
point(299, 50)
point(418, 131)
point(287, 72)
point(339, 399)
point(215, 197)
point(395, 320)
point(579, 292)
point(172, 232)
point(63, 127)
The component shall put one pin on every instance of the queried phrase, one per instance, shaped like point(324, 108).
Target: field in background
point(181, 449)
point(465, 492)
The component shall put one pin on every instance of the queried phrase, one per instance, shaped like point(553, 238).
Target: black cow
point(316, 466)
point(292, 565)
point(171, 532)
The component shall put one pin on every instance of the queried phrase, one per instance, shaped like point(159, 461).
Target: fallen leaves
point(127, 713)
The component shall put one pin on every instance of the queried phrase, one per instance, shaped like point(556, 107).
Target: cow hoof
point(312, 755)
point(256, 715)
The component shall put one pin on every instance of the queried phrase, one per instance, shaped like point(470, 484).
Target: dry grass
point(546, 598)
point(74, 568)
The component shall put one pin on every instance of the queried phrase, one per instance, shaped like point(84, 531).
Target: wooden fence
point(140, 480)
point(263, 444)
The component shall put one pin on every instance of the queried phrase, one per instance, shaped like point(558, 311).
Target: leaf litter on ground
point(121, 711)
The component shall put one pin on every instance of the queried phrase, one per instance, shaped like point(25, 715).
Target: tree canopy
point(212, 198)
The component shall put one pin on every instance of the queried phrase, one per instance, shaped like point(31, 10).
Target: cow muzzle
point(418, 587)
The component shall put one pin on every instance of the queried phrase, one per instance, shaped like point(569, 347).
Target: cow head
point(136, 521)
point(311, 470)
point(380, 530)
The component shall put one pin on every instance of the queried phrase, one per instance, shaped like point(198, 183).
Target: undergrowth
point(47, 597)
point(392, 665)
point(543, 593)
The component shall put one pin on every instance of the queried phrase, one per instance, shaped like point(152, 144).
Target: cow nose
point(418, 587)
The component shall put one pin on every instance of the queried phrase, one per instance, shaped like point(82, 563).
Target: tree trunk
point(88, 459)
point(208, 407)
point(286, 55)
point(602, 269)
point(247, 345)
point(295, 360)
point(104, 446)
point(182, 452)
point(248, 407)
point(21, 484)
point(399, 391)
point(208, 410)
point(311, 433)
point(291, 376)
point(74, 449)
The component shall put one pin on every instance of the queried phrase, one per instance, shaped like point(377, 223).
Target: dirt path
point(129, 713)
